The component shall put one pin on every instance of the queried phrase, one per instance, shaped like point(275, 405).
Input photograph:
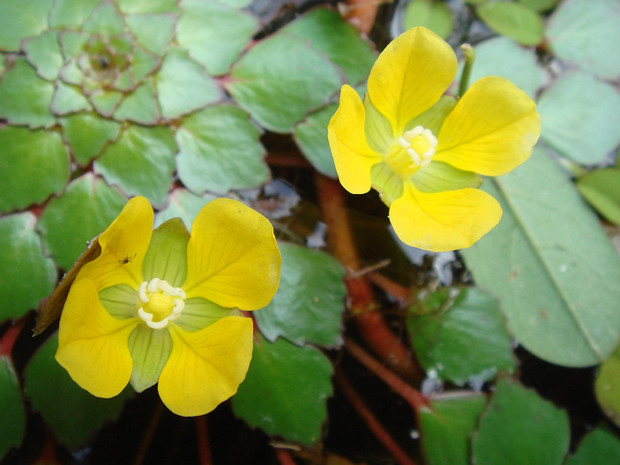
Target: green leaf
point(26, 275)
point(71, 12)
point(513, 20)
point(520, 428)
point(43, 52)
point(213, 33)
point(339, 40)
point(182, 204)
point(150, 350)
point(24, 97)
point(166, 257)
point(502, 56)
point(104, 20)
point(281, 79)
point(86, 207)
point(140, 106)
point(147, 6)
point(219, 150)
point(140, 162)
point(68, 99)
point(431, 14)
point(105, 101)
point(311, 138)
point(19, 19)
point(600, 447)
point(579, 115)
point(607, 387)
point(602, 189)
point(13, 424)
point(35, 165)
point(79, 415)
point(447, 426)
point(285, 391)
point(87, 134)
point(539, 5)
point(183, 86)
point(308, 306)
point(463, 339)
point(551, 265)
point(586, 33)
point(153, 31)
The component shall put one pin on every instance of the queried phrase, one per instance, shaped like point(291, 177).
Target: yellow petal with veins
point(232, 256)
point(492, 129)
point(123, 247)
point(353, 156)
point(206, 367)
point(410, 76)
point(443, 221)
point(92, 345)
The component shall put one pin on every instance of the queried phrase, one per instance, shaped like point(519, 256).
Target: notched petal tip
point(353, 157)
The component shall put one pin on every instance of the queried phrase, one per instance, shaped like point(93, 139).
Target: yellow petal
point(444, 221)
point(123, 246)
point(92, 345)
point(410, 76)
point(232, 256)
point(492, 129)
point(353, 156)
point(206, 367)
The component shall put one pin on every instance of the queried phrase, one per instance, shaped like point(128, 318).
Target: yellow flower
point(422, 150)
point(163, 306)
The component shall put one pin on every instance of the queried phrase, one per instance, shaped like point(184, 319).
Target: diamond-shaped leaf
point(26, 275)
point(520, 428)
point(308, 306)
point(19, 19)
point(87, 135)
point(600, 447)
point(80, 414)
point(214, 34)
point(105, 101)
point(35, 164)
point(140, 162)
point(13, 424)
point(183, 86)
point(86, 207)
point(43, 52)
point(270, 398)
point(153, 31)
point(71, 12)
point(24, 97)
point(339, 40)
point(311, 137)
point(281, 79)
point(513, 20)
point(104, 20)
point(68, 99)
point(140, 106)
point(462, 339)
point(219, 150)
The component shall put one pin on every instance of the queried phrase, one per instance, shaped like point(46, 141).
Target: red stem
point(202, 434)
point(371, 421)
point(362, 305)
point(415, 398)
point(284, 457)
point(7, 341)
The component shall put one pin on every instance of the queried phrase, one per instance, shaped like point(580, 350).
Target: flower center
point(160, 303)
point(413, 151)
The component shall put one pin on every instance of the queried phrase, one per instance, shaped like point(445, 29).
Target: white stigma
point(406, 141)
